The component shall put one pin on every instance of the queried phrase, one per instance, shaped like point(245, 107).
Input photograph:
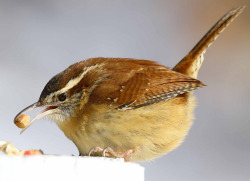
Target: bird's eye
point(62, 97)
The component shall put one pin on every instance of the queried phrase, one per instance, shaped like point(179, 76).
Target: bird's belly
point(150, 131)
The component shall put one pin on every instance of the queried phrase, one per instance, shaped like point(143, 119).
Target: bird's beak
point(47, 111)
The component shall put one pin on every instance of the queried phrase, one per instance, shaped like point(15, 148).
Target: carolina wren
point(122, 107)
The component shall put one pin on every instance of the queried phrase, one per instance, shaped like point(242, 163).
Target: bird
point(127, 108)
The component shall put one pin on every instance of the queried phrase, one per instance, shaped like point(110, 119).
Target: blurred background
point(40, 38)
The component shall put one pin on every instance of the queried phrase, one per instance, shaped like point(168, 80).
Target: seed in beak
point(22, 121)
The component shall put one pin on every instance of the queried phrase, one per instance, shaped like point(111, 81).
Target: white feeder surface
point(70, 168)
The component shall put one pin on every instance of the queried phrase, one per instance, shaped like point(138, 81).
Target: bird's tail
point(191, 63)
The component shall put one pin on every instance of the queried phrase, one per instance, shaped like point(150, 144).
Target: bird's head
point(65, 94)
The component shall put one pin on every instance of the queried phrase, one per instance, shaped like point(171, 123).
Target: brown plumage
point(191, 63)
point(136, 83)
point(139, 109)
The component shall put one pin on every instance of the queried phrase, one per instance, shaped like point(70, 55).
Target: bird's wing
point(142, 85)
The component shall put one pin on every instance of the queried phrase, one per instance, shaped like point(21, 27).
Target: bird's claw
point(109, 152)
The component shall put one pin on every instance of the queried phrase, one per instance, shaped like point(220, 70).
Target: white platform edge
point(68, 168)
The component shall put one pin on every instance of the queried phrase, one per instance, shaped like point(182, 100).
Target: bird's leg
point(95, 149)
point(126, 155)
point(111, 153)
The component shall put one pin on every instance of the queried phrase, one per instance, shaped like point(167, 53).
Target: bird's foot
point(109, 152)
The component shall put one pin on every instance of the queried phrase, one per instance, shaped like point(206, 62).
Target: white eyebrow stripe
point(75, 81)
